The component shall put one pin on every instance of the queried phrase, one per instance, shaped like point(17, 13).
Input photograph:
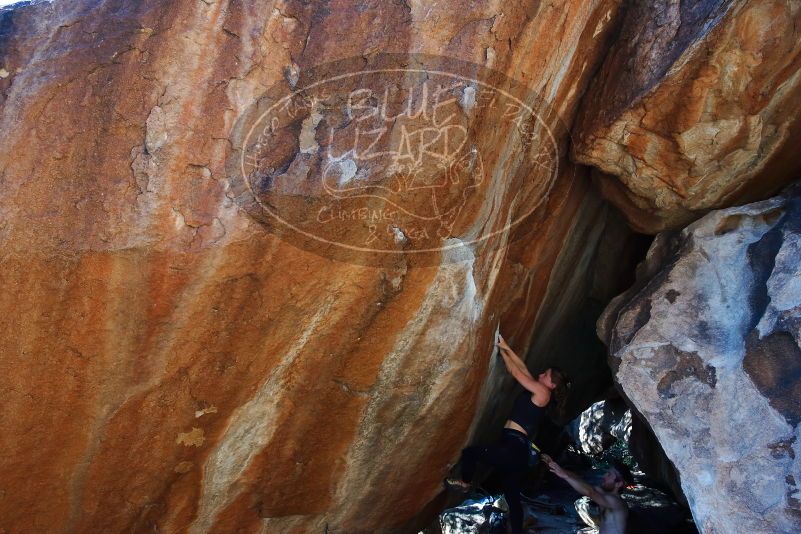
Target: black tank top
point(527, 414)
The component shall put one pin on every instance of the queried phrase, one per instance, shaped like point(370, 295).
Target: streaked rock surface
point(706, 347)
point(167, 364)
point(696, 107)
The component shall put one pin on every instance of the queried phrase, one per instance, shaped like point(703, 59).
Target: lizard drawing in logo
point(428, 173)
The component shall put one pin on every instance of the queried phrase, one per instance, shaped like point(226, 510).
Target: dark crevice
point(762, 258)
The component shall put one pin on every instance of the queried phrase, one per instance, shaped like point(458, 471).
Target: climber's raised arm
point(517, 368)
point(517, 360)
point(602, 498)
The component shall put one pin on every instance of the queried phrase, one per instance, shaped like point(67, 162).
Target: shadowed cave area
point(597, 425)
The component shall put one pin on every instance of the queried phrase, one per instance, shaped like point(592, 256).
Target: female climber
point(510, 455)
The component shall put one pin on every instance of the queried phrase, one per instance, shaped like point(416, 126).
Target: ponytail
point(560, 392)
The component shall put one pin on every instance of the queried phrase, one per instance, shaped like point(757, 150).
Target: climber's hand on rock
point(502, 343)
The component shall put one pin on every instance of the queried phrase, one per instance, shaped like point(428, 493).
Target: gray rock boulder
point(705, 346)
point(600, 426)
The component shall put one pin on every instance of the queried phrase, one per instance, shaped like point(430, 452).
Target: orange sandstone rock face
point(169, 363)
point(695, 108)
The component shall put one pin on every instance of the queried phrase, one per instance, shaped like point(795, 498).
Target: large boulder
point(706, 347)
point(168, 362)
point(696, 107)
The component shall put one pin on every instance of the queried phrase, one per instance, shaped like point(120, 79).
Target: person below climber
point(614, 511)
point(512, 454)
